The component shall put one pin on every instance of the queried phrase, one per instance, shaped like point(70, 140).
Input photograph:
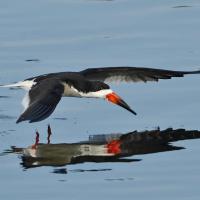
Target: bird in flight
point(45, 91)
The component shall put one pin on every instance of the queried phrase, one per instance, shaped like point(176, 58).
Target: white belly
point(70, 91)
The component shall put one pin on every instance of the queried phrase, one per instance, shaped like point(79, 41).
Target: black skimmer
point(45, 91)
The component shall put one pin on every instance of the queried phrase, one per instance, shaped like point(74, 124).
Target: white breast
point(70, 91)
point(26, 101)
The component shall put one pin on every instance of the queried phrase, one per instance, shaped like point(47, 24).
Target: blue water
point(66, 35)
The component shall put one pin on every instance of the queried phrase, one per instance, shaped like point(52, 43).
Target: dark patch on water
point(60, 118)
point(32, 60)
point(4, 97)
point(62, 180)
point(182, 6)
point(6, 132)
point(103, 0)
point(60, 171)
point(119, 179)
point(15, 88)
point(13, 149)
point(107, 37)
point(90, 170)
point(6, 117)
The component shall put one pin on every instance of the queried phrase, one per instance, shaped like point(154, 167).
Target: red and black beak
point(114, 98)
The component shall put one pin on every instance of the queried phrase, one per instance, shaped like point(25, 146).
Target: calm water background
point(71, 35)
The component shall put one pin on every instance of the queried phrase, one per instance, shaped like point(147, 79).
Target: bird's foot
point(49, 134)
point(37, 139)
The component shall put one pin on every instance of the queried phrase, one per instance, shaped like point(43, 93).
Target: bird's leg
point(37, 139)
point(49, 134)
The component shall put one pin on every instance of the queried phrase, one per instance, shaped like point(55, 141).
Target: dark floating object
point(60, 171)
point(32, 60)
point(90, 170)
point(60, 118)
point(45, 91)
point(102, 148)
point(6, 117)
point(4, 97)
point(182, 6)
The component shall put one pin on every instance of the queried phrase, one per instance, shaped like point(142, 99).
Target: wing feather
point(132, 74)
point(43, 99)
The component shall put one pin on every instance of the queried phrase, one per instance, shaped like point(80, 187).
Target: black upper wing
point(43, 99)
point(131, 74)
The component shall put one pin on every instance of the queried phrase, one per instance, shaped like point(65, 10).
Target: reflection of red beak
point(114, 147)
point(114, 98)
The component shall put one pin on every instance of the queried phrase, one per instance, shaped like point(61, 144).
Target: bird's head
point(102, 90)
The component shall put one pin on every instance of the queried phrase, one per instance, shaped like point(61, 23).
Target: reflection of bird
point(102, 148)
point(45, 91)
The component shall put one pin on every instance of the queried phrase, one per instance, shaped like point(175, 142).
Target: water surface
point(65, 35)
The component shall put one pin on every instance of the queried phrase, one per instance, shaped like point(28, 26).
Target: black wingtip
point(194, 72)
point(20, 119)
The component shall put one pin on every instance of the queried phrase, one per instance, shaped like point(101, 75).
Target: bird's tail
point(27, 84)
point(12, 85)
point(9, 85)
